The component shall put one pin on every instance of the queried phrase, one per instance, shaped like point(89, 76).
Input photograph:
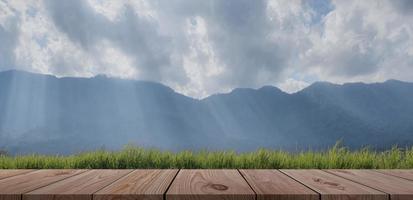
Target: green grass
point(134, 157)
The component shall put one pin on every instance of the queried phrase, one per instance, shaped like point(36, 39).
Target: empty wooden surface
point(331, 187)
point(139, 185)
point(79, 187)
point(13, 187)
point(13, 172)
point(402, 173)
point(398, 188)
point(274, 185)
point(173, 184)
point(209, 185)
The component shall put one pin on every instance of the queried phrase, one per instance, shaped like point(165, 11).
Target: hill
point(45, 114)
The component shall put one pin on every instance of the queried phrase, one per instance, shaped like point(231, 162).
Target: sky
point(202, 47)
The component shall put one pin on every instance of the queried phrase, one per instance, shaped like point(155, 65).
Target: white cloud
point(204, 47)
point(363, 41)
point(115, 63)
point(200, 63)
point(292, 85)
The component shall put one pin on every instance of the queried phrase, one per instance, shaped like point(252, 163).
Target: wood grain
point(80, 187)
point(13, 172)
point(142, 184)
point(274, 185)
point(402, 173)
point(398, 188)
point(13, 187)
point(331, 187)
point(206, 184)
point(209, 185)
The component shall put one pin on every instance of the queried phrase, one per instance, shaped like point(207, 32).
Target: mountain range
point(45, 114)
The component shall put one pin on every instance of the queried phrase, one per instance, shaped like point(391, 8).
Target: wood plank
point(6, 173)
point(13, 187)
point(208, 185)
point(142, 184)
point(80, 187)
point(402, 173)
point(274, 185)
point(398, 188)
point(331, 187)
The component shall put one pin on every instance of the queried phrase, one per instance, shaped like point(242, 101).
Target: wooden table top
point(206, 184)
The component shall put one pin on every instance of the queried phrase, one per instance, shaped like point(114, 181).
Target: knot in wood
point(218, 187)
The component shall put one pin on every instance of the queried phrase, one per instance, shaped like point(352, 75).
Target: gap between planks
point(396, 176)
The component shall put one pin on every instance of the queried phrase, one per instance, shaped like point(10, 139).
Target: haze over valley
point(44, 114)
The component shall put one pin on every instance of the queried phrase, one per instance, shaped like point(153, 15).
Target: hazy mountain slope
point(40, 113)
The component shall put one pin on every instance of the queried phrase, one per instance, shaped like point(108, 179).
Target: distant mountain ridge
point(44, 114)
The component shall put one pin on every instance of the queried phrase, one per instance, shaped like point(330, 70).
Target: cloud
point(246, 43)
point(405, 6)
point(359, 41)
point(238, 46)
point(137, 37)
point(8, 36)
point(241, 36)
point(204, 47)
point(292, 85)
